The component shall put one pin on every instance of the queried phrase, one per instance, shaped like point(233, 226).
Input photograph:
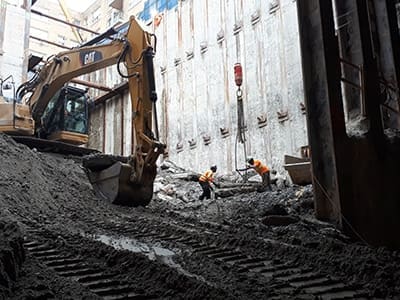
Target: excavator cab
point(65, 118)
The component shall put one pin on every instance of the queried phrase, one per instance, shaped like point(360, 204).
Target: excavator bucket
point(114, 182)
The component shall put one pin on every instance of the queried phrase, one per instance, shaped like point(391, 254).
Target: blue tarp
point(156, 6)
point(150, 7)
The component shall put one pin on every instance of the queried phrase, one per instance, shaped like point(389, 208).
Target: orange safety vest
point(259, 167)
point(207, 176)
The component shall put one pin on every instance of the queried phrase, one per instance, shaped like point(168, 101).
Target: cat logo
point(88, 57)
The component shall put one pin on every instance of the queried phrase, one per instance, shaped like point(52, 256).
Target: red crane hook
point(238, 74)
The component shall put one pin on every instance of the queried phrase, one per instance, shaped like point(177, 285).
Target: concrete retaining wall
point(198, 44)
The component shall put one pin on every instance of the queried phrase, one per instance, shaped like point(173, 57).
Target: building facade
point(48, 36)
point(14, 52)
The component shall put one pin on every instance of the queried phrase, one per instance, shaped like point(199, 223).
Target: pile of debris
point(177, 185)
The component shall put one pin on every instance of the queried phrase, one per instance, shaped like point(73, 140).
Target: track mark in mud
point(94, 278)
point(292, 278)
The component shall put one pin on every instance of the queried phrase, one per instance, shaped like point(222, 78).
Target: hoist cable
point(240, 136)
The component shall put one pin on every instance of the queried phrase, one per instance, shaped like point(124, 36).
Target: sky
point(79, 5)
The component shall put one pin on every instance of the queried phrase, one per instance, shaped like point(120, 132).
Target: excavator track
point(53, 146)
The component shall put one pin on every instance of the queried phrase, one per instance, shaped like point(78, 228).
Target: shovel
point(216, 202)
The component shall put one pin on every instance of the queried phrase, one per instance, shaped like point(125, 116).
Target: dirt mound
point(40, 187)
point(37, 188)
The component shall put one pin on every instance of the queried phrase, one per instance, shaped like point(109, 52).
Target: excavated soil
point(175, 248)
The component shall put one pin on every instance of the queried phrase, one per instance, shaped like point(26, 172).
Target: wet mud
point(59, 241)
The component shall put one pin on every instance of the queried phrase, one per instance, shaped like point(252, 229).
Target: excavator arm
point(67, 65)
point(142, 164)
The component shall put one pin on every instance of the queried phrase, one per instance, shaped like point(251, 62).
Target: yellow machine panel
point(16, 119)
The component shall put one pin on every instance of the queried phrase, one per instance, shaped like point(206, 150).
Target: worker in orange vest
point(205, 181)
point(263, 171)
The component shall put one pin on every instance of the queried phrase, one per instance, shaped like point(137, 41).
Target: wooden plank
point(293, 159)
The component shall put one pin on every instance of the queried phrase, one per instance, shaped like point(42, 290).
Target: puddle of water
point(279, 243)
point(124, 243)
point(160, 254)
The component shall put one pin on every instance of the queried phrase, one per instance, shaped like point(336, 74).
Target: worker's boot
point(263, 188)
point(260, 189)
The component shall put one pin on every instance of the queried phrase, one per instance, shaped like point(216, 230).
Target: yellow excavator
point(49, 109)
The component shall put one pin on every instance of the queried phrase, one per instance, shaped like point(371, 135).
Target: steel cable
point(240, 136)
point(343, 217)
